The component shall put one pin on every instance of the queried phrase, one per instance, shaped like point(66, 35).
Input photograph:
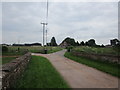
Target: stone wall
point(109, 58)
point(13, 70)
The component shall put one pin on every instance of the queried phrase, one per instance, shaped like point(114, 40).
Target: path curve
point(78, 75)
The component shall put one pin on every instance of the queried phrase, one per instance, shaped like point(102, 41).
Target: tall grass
point(34, 49)
point(96, 50)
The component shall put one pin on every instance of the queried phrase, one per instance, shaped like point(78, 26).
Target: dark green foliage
point(53, 42)
point(117, 49)
point(33, 44)
point(82, 43)
point(0, 49)
point(70, 41)
point(86, 43)
point(69, 48)
point(4, 49)
point(114, 42)
point(91, 42)
point(102, 45)
point(77, 43)
point(48, 44)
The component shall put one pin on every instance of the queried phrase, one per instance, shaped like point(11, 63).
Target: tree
point(48, 44)
point(91, 42)
point(102, 45)
point(4, 49)
point(77, 43)
point(36, 44)
point(69, 41)
point(86, 43)
point(82, 43)
point(53, 42)
point(114, 42)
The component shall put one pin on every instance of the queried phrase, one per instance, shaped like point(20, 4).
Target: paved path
point(78, 75)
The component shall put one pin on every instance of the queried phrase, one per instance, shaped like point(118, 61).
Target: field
point(10, 55)
point(34, 49)
point(16, 51)
point(40, 74)
point(110, 68)
point(96, 50)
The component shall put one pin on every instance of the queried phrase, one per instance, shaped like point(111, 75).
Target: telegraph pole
point(44, 32)
point(46, 37)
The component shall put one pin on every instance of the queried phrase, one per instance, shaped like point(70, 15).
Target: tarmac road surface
point(78, 75)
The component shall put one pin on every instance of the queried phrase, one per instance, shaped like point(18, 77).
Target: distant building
point(64, 44)
point(68, 42)
point(114, 42)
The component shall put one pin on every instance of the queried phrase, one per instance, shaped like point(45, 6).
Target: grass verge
point(54, 49)
point(12, 53)
point(110, 68)
point(40, 74)
point(7, 59)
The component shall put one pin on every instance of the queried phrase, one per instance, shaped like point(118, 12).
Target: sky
point(21, 21)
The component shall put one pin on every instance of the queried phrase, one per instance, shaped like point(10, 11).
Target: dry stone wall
point(13, 70)
point(109, 58)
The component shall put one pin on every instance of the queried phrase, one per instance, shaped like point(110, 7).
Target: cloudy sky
point(79, 20)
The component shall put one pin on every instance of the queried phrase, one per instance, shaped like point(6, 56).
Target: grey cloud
point(81, 21)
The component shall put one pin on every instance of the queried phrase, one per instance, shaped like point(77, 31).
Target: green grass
point(23, 48)
point(12, 51)
point(36, 49)
point(40, 74)
point(54, 49)
point(0, 60)
point(96, 50)
point(6, 60)
point(103, 66)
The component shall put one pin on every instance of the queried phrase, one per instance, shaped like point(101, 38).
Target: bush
point(69, 48)
point(117, 49)
point(4, 49)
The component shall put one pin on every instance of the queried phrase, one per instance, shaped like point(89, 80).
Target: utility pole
point(46, 37)
point(44, 32)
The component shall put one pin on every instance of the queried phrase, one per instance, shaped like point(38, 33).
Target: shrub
point(4, 49)
point(69, 48)
point(117, 49)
